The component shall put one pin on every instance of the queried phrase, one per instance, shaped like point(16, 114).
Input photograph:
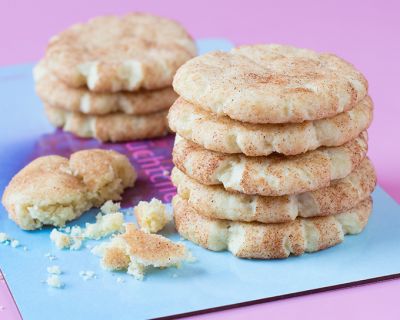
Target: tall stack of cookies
point(111, 78)
point(270, 152)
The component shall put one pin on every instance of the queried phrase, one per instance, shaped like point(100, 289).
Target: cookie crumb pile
point(110, 78)
point(270, 154)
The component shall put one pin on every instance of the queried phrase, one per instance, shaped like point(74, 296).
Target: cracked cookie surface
point(271, 84)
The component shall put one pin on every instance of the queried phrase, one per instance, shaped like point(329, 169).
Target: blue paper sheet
point(215, 280)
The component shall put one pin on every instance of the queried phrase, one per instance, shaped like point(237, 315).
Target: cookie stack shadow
point(270, 153)
point(111, 78)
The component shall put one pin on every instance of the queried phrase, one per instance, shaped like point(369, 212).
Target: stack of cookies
point(270, 152)
point(111, 78)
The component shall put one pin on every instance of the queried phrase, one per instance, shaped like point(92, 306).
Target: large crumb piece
point(151, 216)
point(52, 190)
point(61, 240)
point(135, 251)
point(54, 281)
point(104, 225)
point(72, 241)
point(110, 207)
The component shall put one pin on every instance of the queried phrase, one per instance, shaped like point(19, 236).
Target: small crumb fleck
point(25, 248)
point(14, 243)
point(54, 281)
point(175, 275)
point(50, 256)
point(120, 280)
point(54, 269)
point(166, 173)
point(88, 275)
point(4, 237)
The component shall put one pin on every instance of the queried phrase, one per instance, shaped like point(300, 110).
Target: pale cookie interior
point(151, 216)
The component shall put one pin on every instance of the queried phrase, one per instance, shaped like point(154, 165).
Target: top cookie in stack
point(110, 78)
point(271, 150)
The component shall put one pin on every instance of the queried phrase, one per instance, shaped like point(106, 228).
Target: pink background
point(364, 32)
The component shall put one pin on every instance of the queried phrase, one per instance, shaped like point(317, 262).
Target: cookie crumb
point(14, 243)
point(135, 251)
point(72, 241)
point(110, 207)
point(54, 269)
point(105, 225)
point(151, 216)
point(54, 281)
point(61, 240)
point(120, 280)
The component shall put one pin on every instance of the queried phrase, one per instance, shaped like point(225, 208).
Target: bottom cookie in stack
point(269, 227)
point(269, 241)
point(110, 127)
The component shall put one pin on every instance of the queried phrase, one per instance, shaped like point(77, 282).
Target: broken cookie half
point(136, 251)
point(52, 190)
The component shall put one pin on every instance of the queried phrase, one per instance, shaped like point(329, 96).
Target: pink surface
point(364, 32)
point(7, 304)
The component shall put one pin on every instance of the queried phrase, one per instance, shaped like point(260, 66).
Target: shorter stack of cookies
point(270, 152)
point(111, 78)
